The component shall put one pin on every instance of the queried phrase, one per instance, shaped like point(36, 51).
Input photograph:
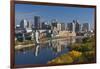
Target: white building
point(24, 24)
point(59, 26)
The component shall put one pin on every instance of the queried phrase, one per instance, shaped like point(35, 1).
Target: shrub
point(62, 59)
point(75, 54)
point(86, 39)
point(90, 56)
point(82, 47)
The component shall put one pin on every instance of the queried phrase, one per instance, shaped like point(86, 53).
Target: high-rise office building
point(74, 26)
point(45, 25)
point(59, 26)
point(77, 26)
point(23, 24)
point(37, 22)
point(54, 23)
point(85, 27)
point(62, 26)
point(70, 27)
point(29, 25)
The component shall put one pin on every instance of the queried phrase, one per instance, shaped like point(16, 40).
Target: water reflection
point(42, 53)
point(55, 45)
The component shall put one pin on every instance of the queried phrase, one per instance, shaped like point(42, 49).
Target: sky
point(63, 14)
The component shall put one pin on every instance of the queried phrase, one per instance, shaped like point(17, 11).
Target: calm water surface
point(41, 54)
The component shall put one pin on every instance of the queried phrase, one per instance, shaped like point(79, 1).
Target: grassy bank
point(83, 52)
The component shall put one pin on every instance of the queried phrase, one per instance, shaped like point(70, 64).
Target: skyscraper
point(70, 27)
point(37, 22)
point(54, 23)
point(74, 26)
point(77, 26)
point(23, 24)
point(85, 27)
point(62, 26)
point(45, 25)
point(29, 25)
point(59, 26)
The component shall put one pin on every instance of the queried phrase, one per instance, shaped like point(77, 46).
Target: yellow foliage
point(66, 58)
point(62, 59)
point(75, 54)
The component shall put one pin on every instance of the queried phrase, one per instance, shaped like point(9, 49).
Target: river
point(42, 53)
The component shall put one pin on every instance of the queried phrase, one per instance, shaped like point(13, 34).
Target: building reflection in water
point(56, 46)
point(37, 50)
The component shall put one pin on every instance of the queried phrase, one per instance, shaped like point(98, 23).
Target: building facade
point(24, 24)
point(37, 22)
point(70, 27)
point(85, 27)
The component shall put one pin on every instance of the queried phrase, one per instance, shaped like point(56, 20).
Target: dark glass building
point(45, 26)
point(54, 23)
point(62, 26)
point(70, 27)
point(85, 27)
point(74, 26)
point(37, 22)
point(77, 26)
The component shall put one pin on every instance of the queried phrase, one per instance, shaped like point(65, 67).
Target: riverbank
point(29, 43)
point(83, 52)
point(66, 58)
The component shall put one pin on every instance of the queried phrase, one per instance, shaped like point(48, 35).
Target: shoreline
point(17, 47)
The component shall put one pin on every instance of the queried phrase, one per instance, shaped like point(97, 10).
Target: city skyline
point(47, 13)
